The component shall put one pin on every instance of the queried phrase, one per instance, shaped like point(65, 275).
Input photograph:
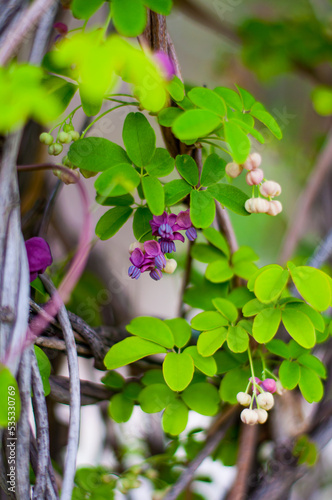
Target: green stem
point(132, 103)
point(215, 145)
point(100, 116)
point(271, 374)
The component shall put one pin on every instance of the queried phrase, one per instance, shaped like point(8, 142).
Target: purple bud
point(134, 273)
point(257, 380)
point(156, 274)
point(39, 256)
point(191, 234)
point(61, 28)
point(165, 64)
point(269, 385)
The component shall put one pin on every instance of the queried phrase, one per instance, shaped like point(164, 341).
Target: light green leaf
point(230, 197)
point(313, 285)
point(176, 89)
point(216, 239)
point(299, 326)
point(266, 325)
point(314, 316)
point(195, 123)
point(252, 308)
point(154, 194)
point(209, 342)
point(244, 269)
point(162, 164)
point(118, 180)
point(120, 408)
point(44, 367)
point(153, 329)
point(322, 100)
point(237, 141)
point(83, 9)
point(247, 99)
point(96, 154)
point(129, 17)
point(163, 7)
point(202, 208)
point(226, 308)
point(237, 339)
point(202, 398)
point(112, 221)
point(311, 385)
point(206, 365)
point(253, 278)
point(270, 283)
point(278, 347)
point(155, 397)
point(248, 129)
point(115, 201)
point(9, 397)
point(231, 98)
point(219, 271)
point(207, 99)
point(208, 320)
point(234, 381)
point(244, 253)
point(178, 370)
point(314, 363)
point(289, 374)
point(141, 226)
point(187, 168)
point(268, 120)
point(181, 331)
point(205, 253)
point(175, 191)
point(213, 170)
point(129, 350)
point(139, 138)
point(175, 418)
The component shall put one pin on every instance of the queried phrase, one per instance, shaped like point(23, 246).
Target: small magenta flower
point(184, 222)
point(39, 256)
point(166, 227)
point(269, 385)
point(150, 259)
point(165, 63)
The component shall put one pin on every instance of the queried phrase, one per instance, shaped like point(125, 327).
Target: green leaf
point(120, 408)
point(252, 308)
point(167, 116)
point(139, 138)
point(117, 180)
point(209, 342)
point(129, 350)
point(314, 363)
point(202, 398)
point(237, 141)
point(226, 361)
point(9, 397)
point(268, 120)
point(132, 390)
point(208, 320)
point(176, 89)
point(83, 9)
point(44, 367)
point(206, 365)
point(153, 329)
point(154, 376)
point(162, 163)
point(240, 296)
point(205, 253)
point(163, 7)
point(248, 129)
point(244, 269)
point(310, 385)
point(237, 339)
point(180, 329)
point(322, 100)
point(115, 201)
point(155, 397)
point(266, 325)
point(278, 347)
point(247, 99)
point(141, 226)
point(60, 89)
point(289, 374)
point(299, 326)
point(253, 278)
point(216, 239)
point(270, 283)
point(175, 418)
point(175, 191)
point(129, 17)
point(231, 98)
point(112, 221)
point(201, 296)
point(306, 450)
point(219, 271)
point(96, 154)
point(244, 253)
point(154, 194)
point(230, 197)
point(187, 168)
point(178, 370)
point(313, 285)
point(113, 380)
point(234, 381)
point(314, 316)
point(295, 350)
point(195, 123)
point(207, 99)
point(226, 308)
point(213, 170)
point(202, 208)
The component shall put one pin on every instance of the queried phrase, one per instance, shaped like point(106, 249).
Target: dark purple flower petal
point(171, 219)
point(39, 255)
point(160, 261)
point(160, 219)
point(156, 274)
point(167, 246)
point(152, 248)
point(165, 231)
point(137, 257)
point(134, 272)
point(61, 28)
point(183, 220)
point(191, 234)
point(165, 64)
point(178, 236)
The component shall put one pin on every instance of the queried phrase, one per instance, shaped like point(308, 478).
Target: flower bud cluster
point(66, 136)
point(262, 398)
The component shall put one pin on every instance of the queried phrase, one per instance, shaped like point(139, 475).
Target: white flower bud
point(253, 161)
point(135, 245)
point(254, 177)
point(233, 169)
point(275, 207)
point(270, 188)
point(249, 417)
point(257, 206)
point(265, 400)
point(261, 415)
point(243, 398)
point(279, 388)
point(170, 267)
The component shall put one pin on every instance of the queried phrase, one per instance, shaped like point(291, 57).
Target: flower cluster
point(262, 398)
point(150, 256)
point(255, 177)
point(39, 256)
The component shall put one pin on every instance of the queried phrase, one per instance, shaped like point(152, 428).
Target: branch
point(91, 393)
point(225, 227)
point(51, 486)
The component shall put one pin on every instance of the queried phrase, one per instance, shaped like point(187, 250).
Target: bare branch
point(91, 392)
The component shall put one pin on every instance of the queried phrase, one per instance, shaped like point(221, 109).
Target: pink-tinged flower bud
point(67, 177)
point(170, 267)
point(279, 388)
point(254, 177)
point(270, 188)
point(269, 385)
point(61, 28)
point(275, 207)
point(165, 63)
point(265, 400)
point(243, 398)
point(249, 417)
point(257, 206)
point(233, 169)
point(135, 245)
point(256, 379)
point(261, 415)
point(253, 161)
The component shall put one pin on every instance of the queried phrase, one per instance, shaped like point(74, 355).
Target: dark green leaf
point(155, 397)
point(175, 191)
point(117, 180)
point(278, 347)
point(113, 380)
point(83, 9)
point(187, 168)
point(139, 138)
point(162, 163)
point(213, 170)
point(230, 197)
point(216, 239)
point(112, 221)
point(141, 225)
point(96, 154)
point(234, 381)
point(202, 398)
point(115, 201)
point(153, 329)
point(167, 116)
point(154, 194)
point(129, 17)
point(175, 418)
point(205, 253)
point(202, 208)
point(120, 408)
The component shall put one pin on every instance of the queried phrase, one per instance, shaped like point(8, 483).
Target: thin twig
point(225, 227)
point(186, 278)
point(51, 486)
point(91, 393)
point(43, 34)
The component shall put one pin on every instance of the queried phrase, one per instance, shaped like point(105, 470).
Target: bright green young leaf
point(154, 194)
point(175, 191)
point(299, 326)
point(244, 253)
point(322, 100)
point(195, 123)
point(314, 363)
point(316, 318)
point(247, 99)
point(208, 320)
point(181, 331)
point(175, 418)
point(296, 350)
point(153, 329)
point(206, 365)
point(266, 325)
point(113, 380)
point(118, 180)
point(244, 269)
point(162, 163)
point(237, 339)
point(9, 396)
point(129, 17)
point(232, 99)
point(96, 154)
point(253, 278)
point(167, 116)
point(60, 89)
point(216, 239)
point(141, 226)
point(187, 168)
point(83, 9)
point(205, 253)
point(115, 201)
point(230, 197)
point(289, 374)
point(202, 398)
point(163, 7)
point(237, 141)
point(234, 381)
point(112, 221)
point(178, 370)
point(44, 367)
point(278, 347)
point(270, 283)
point(252, 308)
point(176, 89)
point(207, 99)
point(219, 271)
point(209, 342)
point(129, 350)
point(139, 138)
point(213, 170)
point(202, 208)
point(120, 408)
point(268, 120)
point(226, 308)
point(311, 385)
point(313, 285)
point(155, 397)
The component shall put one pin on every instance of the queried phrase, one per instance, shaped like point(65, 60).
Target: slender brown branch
point(225, 227)
point(91, 393)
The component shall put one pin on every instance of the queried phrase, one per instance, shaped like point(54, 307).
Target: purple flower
point(39, 256)
point(166, 227)
point(184, 222)
point(150, 259)
point(269, 385)
point(165, 63)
